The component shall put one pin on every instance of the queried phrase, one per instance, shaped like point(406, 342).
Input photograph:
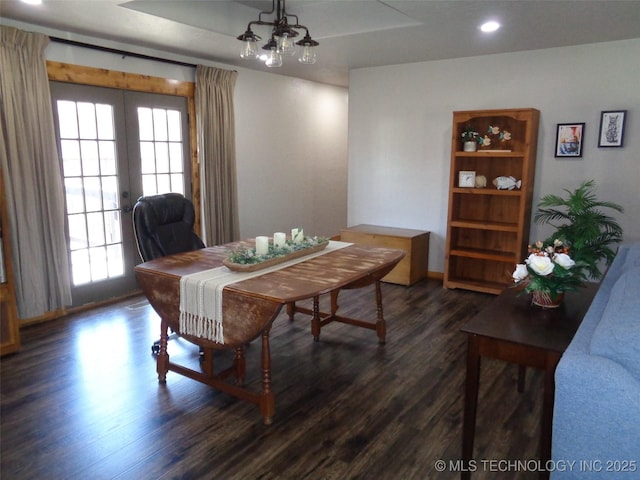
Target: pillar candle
point(279, 239)
point(297, 235)
point(262, 245)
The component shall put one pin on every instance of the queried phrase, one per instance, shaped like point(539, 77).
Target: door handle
point(126, 208)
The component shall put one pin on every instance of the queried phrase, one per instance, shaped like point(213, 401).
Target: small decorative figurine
point(506, 183)
point(481, 181)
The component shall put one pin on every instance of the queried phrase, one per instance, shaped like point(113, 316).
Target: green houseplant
point(582, 224)
point(469, 134)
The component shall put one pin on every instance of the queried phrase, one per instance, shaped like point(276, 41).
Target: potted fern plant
point(581, 222)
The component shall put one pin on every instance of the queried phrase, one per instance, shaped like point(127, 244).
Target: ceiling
point(352, 33)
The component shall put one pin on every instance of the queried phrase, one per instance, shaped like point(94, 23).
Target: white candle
point(297, 235)
point(262, 245)
point(279, 239)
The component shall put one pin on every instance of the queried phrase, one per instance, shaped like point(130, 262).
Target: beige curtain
point(33, 183)
point(217, 154)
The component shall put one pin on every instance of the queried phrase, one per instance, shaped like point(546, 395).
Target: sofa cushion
point(632, 259)
point(617, 335)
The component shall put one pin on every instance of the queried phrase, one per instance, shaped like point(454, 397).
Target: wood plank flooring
point(81, 399)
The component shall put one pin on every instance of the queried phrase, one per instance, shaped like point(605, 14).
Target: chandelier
point(282, 41)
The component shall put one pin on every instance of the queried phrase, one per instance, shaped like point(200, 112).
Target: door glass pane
point(110, 193)
point(175, 156)
point(115, 260)
point(92, 194)
point(89, 154)
point(145, 124)
point(112, 224)
point(98, 261)
point(161, 150)
point(160, 124)
point(77, 231)
point(149, 186)
point(87, 120)
point(96, 228)
point(74, 195)
point(107, 157)
point(71, 158)
point(174, 127)
point(162, 157)
point(177, 184)
point(105, 122)
point(79, 262)
point(88, 151)
point(164, 183)
point(68, 119)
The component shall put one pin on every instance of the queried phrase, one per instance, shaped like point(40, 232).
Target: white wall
point(400, 130)
point(292, 155)
point(291, 142)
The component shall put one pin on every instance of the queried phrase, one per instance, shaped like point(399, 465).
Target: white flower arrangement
point(548, 269)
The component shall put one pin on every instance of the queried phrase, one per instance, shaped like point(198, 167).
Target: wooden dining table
point(250, 306)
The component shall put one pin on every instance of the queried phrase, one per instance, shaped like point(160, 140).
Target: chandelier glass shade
point(282, 40)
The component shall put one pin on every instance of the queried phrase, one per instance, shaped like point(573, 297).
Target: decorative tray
point(269, 262)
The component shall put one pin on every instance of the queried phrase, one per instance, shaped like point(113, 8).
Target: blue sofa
point(596, 419)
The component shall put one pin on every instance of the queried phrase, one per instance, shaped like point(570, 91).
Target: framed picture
point(569, 137)
point(612, 128)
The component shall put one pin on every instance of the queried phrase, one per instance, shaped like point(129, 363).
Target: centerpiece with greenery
point(245, 255)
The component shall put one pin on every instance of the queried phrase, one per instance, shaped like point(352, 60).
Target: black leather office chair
point(163, 225)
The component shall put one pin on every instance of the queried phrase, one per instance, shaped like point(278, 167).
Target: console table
point(510, 328)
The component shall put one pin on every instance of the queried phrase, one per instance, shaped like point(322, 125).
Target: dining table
point(249, 304)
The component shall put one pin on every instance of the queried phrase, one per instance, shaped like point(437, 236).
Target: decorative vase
point(544, 299)
point(470, 146)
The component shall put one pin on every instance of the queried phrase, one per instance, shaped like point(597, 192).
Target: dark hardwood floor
point(81, 399)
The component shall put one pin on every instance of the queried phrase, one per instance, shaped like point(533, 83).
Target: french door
point(114, 146)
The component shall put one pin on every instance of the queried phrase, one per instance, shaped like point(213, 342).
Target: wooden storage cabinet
point(487, 228)
point(413, 267)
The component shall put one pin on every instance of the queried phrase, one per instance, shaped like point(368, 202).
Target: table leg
point(470, 405)
point(522, 377)
point(315, 319)
point(381, 327)
point(551, 362)
point(267, 398)
point(334, 301)
point(291, 310)
point(240, 365)
point(162, 362)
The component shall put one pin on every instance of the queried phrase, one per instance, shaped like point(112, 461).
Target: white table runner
point(201, 295)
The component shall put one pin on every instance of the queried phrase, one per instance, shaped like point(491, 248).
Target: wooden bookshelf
point(487, 228)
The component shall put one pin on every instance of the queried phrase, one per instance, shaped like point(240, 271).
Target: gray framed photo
point(569, 138)
point(612, 128)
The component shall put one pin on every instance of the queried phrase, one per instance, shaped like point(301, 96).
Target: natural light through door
point(115, 146)
point(87, 141)
point(162, 164)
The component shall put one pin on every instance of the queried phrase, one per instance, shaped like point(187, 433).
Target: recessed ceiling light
point(490, 26)
point(32, 2)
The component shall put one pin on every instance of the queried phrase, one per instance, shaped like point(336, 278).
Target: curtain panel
point(215, 120)
point(33, 182)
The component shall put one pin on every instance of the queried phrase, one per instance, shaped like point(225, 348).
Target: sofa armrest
point(596, 418)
